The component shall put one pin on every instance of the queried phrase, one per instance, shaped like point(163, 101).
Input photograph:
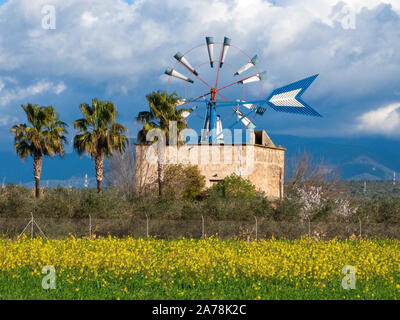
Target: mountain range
point(366, 158)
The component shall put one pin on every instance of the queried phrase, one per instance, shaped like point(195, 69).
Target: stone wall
point(263, 166)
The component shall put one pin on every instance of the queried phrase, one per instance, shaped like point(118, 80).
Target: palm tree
point(162, 110)
point(99, 135)
point(44, 137)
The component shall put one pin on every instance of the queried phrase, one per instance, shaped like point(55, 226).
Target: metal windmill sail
point(178, 75)
point(225, 48)
point(210, 50)
point(179, 56)
point(285, 99)
point(247, 66)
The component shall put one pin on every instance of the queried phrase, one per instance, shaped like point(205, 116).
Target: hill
point(372, 158)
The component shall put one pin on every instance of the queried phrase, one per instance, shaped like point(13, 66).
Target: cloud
point(117, 50)
point(59, 88)
point(133, 41)
point(7, 120)
point(18, 93)
point(385, 120)
point(88, 19)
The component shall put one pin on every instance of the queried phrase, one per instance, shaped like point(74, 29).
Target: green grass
point(27, 287)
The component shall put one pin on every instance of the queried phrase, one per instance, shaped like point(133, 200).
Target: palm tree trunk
point(37, 172)
point(99, 164)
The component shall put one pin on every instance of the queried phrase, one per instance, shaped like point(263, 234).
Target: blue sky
point(118, 50)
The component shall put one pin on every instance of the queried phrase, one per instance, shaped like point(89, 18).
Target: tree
point(234, 187)
point(312, 201)
point(121, 169)
point(162, 111)
point(44, 137)
point(184, 181)
point(99, 135)
point(306, 172)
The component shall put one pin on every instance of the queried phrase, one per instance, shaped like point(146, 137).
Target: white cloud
point(59, 88)
point(122, 50)
point(17, 93)
point(7, 120)
point(88, 19)
point(385, 120)
point(98, 41)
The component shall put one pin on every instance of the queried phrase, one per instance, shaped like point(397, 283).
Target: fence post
point(147, 226)
point(202, 227)
point(31, 222)
point(90, 226)
point(359, 220)
point(31, 225)
point(256, 228)
point(309, 227)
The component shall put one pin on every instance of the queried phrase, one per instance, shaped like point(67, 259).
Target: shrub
point(16, 201)
point(183, 181)
point(382, 209)
point(287, 210)
point(233, 187)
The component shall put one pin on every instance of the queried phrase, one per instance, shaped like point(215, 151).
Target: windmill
point(214, 101)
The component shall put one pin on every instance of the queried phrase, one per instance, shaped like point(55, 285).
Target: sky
point(118, 50)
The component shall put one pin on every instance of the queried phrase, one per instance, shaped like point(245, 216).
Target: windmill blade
point(178, 75)
point(258, 77)
point(181, 102)
point(245, 120)
point(247, 105)
point(179, 56)
point(248, 65)
point(254, 106)
point(225, 48)
point(188, 112)
point(210, 49)
point(288, 98)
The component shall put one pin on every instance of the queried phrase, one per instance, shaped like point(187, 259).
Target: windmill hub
point(213, 94)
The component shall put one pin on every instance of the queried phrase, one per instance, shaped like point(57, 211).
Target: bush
point(16, 201)
point(287, 210)
point(233, 187)
point(233, 198)
point(382, 209)
point(183, 181)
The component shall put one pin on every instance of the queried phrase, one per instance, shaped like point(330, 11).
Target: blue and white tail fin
point(288, 98)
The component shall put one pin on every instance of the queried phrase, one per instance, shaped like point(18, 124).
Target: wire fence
point(260, 228)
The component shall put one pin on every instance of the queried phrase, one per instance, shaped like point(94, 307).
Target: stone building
point(260, 161)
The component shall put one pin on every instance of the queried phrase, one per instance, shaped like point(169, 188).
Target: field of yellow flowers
point(129, 268)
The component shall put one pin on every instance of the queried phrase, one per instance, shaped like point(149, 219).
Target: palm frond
point(44, 136)
point(162, 110)
point(98, 131)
